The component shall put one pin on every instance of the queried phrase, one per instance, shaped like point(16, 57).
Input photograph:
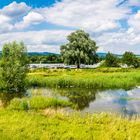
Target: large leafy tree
point(130, 59)
point(80, 49)
point(14, 68)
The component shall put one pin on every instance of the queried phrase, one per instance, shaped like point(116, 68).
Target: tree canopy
point(14, 67)
point(80, 49)
point(130, 59)
point(111, 60)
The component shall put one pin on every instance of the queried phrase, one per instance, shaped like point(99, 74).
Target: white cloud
point(30, 19)
point(134, 2)
point(5, 25)
point(134, 21)
point(45, 40)
point(119, 42)
point(97, 15)
point(15, 9)
point(4, 19)
point(33, 17)
point(44, 48)
point(9, 15)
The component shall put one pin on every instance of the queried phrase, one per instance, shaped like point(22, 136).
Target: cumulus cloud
point(45, 40)
point(15, 9)
point(9, 15)
point(33, 17)
point(30, 19)
point(134, 21)
point(4, 19)
point(134, 2)
point(120, 41)
point(102, 19)
point(97, 15)
point(5, 25)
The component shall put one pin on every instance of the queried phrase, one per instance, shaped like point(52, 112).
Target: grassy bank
point(31, 125)
point(37, 103)
point(101, 78)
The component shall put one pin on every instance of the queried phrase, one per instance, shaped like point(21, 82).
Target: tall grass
point(17, 125)
point(87, 78)
point(37, 103)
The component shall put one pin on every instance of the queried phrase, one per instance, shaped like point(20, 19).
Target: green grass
point(101, 78)
point(20, 125)
point(37, 103)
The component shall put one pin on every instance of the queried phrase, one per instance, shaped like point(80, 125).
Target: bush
point(14, 68)
point(111, 60)
point(130, 59)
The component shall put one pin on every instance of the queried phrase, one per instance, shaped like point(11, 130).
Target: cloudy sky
point(44, 24)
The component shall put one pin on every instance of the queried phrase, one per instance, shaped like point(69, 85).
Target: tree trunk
point(78, 66)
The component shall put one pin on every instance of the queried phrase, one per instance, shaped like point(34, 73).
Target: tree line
point(128, 59)
point(81, 49)
point(51, 58)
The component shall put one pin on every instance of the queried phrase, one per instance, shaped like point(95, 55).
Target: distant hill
point(100, 54)
point(37, 53)
point(40, 53)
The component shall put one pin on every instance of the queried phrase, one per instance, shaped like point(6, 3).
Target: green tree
point(14, 68)
point(111, 60)
point(80, 49)
point(130, 59)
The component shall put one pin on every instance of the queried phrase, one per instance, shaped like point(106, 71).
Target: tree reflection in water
point(6, 98)
point(79, 97)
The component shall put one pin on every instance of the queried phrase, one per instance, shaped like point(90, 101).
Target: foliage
point(130, 59)
point(111, 60)
point(14, 67)
point(80, 49)
point(52, 58)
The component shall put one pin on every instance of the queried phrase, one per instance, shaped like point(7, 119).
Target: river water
point(124, 102)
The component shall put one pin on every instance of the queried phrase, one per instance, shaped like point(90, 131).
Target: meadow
point(100, 78)
point(41, 118)
point(55, 126)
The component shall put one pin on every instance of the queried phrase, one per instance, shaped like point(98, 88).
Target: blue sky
point(43, 25)
point(33, 3)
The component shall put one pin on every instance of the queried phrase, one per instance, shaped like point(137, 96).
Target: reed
point(37, 103)
point(103, 78)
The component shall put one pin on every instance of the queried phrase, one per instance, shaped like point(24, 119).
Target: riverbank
point(100, 78)
point(37, 125)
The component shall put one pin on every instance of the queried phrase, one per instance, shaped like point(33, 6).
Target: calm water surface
point(126, 102)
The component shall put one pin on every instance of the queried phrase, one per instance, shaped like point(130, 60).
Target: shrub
point(130, 59)
point(14, 68)
point(111, 60)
